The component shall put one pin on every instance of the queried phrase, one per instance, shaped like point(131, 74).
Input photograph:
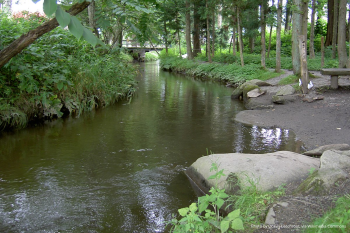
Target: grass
point(335, 220)
point(291, 79)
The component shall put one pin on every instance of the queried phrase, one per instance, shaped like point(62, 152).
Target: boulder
point(265, 171)
point(286, 90)
point(238, 92)
point(255, 93)
point(319, 151)
point(282, 99)
point(331, 172)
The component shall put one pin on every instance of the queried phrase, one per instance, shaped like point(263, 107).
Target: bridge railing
point(136, 44)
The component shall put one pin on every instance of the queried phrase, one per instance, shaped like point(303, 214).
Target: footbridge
point(135, 47)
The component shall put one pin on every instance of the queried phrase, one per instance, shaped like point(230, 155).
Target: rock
point(247, 88)
point(270, 217)
point(238, 92)
point(318, 151)
point(286, 90)
point(265, 171)
point(329, 174)
point(279, 99)
point(255, 93)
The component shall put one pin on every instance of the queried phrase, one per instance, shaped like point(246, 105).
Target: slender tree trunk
point(305, 15)
point(166, 37)
point(213, 35)
point(263, 35)
point(278, 36)
point(335, 28)
point(286, 25)
point(342, 56)
point(91, 14)
point(240, 37)
point(234, 51)
point(349, 36)
point(188, 30)
point(330, 23)
point(208, 34)
point(27, 39)
point(196, 37)
point(297, 27)
point(269, 46)
point(312, 30)
point(178, 36)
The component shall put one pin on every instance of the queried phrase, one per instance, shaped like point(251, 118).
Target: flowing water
point(120, 169)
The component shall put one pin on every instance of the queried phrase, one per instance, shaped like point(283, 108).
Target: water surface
point(120, 169)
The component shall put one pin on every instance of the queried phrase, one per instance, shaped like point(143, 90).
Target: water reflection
point(121, 168)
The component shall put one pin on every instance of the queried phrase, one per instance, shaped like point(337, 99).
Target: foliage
point(288, 80)
point(151, 56)
point(335, 220)
point(205, 216)
point(57, 74)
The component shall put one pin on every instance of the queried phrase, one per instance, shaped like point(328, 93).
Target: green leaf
point(224, 225)
point(234, 214)
point(75, 27)
point(60, 86)
point(89, 36)
point(203, 206)
point(183, 211)
point(193, 207)
point(237, 224)
point(63, 18)
point(50, 7)
point(220, 202)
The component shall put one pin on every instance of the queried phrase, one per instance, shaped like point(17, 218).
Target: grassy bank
point(226, 67)
point(57, 75)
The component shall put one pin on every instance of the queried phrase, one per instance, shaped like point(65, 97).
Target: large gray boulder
point(285, 90)
point(242, 90)
point(334, 164)
point(266, 171)
point(319, 151)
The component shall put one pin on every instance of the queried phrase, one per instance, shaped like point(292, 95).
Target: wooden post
point(322, 51)
point(303, 63)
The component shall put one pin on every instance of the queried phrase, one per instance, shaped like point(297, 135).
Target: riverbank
point(316, 123)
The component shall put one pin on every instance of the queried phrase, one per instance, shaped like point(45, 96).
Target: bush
point(151, 56)
point(57, 74)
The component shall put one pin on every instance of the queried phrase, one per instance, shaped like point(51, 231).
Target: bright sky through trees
point(27, 5)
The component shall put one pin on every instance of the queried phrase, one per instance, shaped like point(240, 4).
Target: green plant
point(288, 80)
point(205, 216)
point(335, 220)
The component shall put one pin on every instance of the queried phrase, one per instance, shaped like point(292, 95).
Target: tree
point(297, 28)
point(188, 30)
point(312, 30)
point(342, 56)
point(240, 39)
point(263, 33)
point(330, 17)
point(278, 36)
point(335, 28)
point(25, 40)
point(196, 29)
point(208, 32)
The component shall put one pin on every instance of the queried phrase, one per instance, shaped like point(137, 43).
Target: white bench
point(335, 73)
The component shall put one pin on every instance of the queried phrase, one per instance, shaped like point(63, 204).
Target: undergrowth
point(57, 74)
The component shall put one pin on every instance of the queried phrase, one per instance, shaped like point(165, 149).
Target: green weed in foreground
point(249, 206)
point(335, 220)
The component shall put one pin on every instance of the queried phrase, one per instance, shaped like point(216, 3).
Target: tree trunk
point(27, 39)
point(188, 30)
point(91, 14)
point(263, 29)
point(278, 36)
point(342, 54)
point(349, 36)
point(305, 15)
point(208, 34)
point(196, 37)
point(213, 34)
point(330, 18)
point(297, 27)
point(286, 25)
point(269, 46)
point(312, 30)
point(166, 37)
point(179, 38)
point(335, 28)
point(240, 37)
point(234, 51)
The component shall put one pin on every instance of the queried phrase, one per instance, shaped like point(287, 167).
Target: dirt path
point(318, 123)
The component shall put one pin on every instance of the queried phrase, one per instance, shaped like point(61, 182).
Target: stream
point(120, 169)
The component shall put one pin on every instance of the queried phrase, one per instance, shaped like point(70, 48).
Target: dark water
point(120, 169)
